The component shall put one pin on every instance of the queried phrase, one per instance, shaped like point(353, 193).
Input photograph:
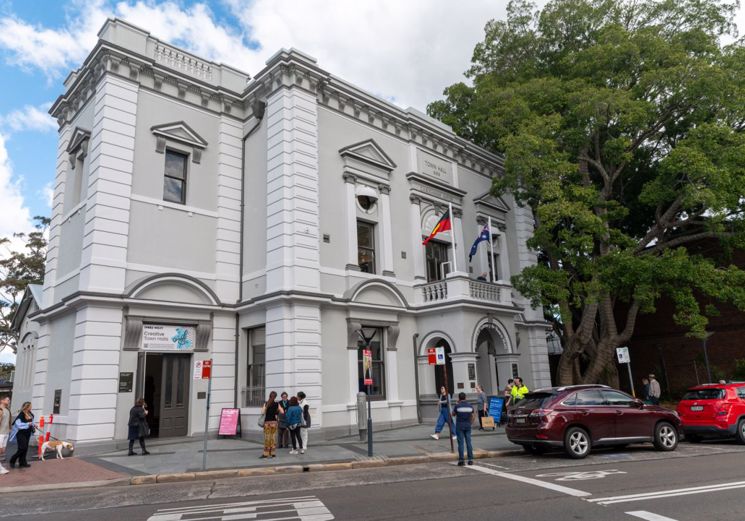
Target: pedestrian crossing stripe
point(304, 508)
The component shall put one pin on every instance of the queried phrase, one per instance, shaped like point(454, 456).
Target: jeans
point(464, 434)
point(142, 444)
point(444, 417)
point(22, 439)
point(296, 439)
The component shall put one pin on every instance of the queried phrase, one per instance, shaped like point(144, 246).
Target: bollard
point(41, 442)
point(362, 415)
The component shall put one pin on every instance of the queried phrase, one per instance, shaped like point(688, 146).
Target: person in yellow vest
point(519, 390)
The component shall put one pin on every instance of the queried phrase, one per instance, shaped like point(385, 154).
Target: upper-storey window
point(366, 246)
point(437, 260)
point(174, 182)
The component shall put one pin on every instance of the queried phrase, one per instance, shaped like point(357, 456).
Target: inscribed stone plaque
point(433, 166)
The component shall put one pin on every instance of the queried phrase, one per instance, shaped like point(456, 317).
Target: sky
point(406, 51)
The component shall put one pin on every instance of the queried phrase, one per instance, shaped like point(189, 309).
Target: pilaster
point(417, 250)
point(351, 216)
point(386, 229)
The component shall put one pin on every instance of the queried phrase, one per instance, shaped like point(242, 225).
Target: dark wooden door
point(174, 403)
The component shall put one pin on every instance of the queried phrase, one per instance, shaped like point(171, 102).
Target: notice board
point(496, 403)
point(230, 422)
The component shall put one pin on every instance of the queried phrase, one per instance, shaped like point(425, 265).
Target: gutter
point(416, 378)
point(258, 109)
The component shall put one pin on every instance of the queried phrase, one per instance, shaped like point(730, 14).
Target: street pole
point(631, 380)
point(452, 236)
point(369, 424)
point(706, 356)
point(206, 423)
point(447, 394)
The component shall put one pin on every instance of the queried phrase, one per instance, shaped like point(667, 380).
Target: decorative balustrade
point(435, 291)
point(484, 291)
point(185, 63)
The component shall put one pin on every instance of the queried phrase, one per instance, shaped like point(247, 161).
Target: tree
point(18, 269)
point(622, 125)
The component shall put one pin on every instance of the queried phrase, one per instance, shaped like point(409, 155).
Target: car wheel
point(741, 431)
point(577, 442)
point(693, 438)
point(665, 437)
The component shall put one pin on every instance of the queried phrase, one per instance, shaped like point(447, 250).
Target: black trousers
point(283, 437)
point(22, 438)
point(297, 441)
point(142, 444)
point(481, 417)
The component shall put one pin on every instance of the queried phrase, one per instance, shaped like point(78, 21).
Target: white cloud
point(47, 191)
point(15, 216)
point(29, 118)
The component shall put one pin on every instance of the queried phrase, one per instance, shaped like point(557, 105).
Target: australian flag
point(483, 236)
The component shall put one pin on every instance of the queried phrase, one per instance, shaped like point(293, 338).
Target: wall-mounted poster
point(163, 337)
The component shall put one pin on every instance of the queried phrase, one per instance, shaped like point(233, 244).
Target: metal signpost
point(202, 371)
point(624, 358)
point(367, 375)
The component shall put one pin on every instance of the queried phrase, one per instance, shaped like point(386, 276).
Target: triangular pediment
point(370, 152)
point(491, 201)
point(79, 136)
point(180, 131)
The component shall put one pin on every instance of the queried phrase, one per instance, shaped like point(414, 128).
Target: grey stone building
point(262, 222)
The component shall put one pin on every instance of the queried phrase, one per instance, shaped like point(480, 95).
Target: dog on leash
point(56, 445)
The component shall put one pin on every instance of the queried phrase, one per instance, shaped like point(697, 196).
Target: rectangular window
point(436, 255)
point(174, 181)
point(377, 389)
point(366, 246)
point(493, 261)
point(256, 376)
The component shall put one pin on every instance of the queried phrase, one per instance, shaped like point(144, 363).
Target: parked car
point(713, 411)
point(578, 418)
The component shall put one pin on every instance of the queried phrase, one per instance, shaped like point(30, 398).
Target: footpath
point(181, 460)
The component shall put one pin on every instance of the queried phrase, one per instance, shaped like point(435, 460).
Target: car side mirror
point(637, 403)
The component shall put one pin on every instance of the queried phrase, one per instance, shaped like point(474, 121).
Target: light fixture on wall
point(367, 197)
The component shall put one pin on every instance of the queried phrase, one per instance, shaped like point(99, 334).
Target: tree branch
point(628, 329)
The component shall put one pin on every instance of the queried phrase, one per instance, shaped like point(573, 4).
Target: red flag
point(443, 225)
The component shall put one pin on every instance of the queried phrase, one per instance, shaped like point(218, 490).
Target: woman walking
point(294, 422)
point(271, 410)
point(444, 415)
point(138, 427)
point(23, 428)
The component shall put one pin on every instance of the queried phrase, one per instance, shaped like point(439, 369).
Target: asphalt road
point(697, 482)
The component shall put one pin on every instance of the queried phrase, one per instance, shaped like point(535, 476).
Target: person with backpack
point(294, 418)
point(303, 402)
point(464, 414)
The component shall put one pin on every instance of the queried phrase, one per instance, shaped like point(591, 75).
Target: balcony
point(458, 286)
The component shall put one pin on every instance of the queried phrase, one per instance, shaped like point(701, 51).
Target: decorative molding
point(182, 133)
point(368, 152)
point(433, 190)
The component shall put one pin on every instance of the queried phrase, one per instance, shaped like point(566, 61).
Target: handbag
point(262, 417)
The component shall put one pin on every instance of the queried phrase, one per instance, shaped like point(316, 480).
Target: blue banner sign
point(496, 404)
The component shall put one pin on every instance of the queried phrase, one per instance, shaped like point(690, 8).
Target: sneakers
point(460, 463)
point(470, 462)
point(455, 438)
point(293, 451)
point(302, 451)
point(434, 436)
point(3, 470)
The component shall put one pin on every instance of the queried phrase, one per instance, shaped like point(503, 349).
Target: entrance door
point(174, 396)
point(166, 392)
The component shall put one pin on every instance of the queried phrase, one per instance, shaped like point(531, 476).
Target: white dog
point(57, 446)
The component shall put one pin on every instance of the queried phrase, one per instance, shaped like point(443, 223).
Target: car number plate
point(519, 420)
point(697, 408)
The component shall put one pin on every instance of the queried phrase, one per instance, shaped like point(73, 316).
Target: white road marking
point(581, 475)
point(530, 481)
point(305, 508)
point(668, 493)
point(649, 516)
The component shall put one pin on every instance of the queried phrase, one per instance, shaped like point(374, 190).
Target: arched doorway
point(436, 379)
point(494, 355)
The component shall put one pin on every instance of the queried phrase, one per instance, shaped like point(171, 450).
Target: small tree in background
point(18, 269)
point(623, 129)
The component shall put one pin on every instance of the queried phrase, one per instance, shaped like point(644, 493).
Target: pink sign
point(229, 419)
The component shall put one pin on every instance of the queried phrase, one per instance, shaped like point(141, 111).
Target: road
point(697, 482)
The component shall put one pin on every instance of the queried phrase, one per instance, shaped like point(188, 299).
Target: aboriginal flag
point(443, 225)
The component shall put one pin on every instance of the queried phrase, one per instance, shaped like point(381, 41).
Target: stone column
point(504, 258)
point(351, 215)
point(460, 363)
point(386, 229)
point(417, 250)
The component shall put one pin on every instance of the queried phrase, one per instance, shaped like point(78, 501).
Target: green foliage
point(17, 270)
point(739, 374)
point(622, 126)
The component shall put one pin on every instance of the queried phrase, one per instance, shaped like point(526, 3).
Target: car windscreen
point(534, 400)
point(704, 394)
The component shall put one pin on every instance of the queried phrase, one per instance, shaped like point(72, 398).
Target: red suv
point(713, 411)
point(580, 417)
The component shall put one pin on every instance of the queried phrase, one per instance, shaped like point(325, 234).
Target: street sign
point(623, 355)
point(367, 366)
point(202, 369)
point(440, 355)
point(431, 356)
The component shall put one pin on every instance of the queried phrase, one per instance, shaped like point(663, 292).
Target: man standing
point(519, 390)
point(654, 390)
point(305, 407)
point(464, 414)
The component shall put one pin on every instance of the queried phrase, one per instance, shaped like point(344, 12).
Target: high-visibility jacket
point(518, 393)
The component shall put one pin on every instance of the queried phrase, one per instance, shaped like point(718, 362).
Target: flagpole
point(452, 235)
point(491, 245)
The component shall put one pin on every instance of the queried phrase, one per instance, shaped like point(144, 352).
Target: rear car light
point(541, 436)
point(540, 414)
